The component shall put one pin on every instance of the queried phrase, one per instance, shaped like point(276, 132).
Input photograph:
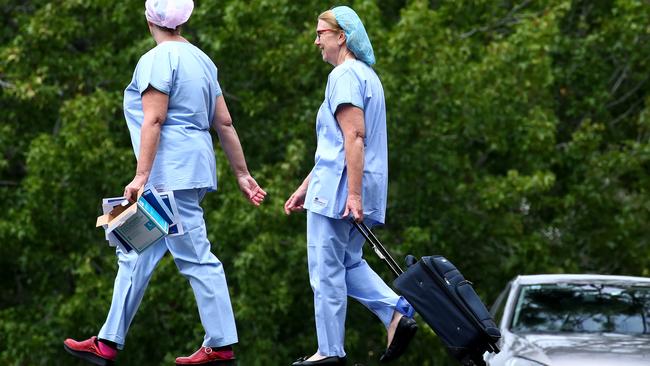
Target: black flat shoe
point(327, 361)
point(404, 333)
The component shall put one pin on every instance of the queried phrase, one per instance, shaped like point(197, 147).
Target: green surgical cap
point(355, 34)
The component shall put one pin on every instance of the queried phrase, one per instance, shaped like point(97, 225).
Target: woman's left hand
point(131, 189)
point(249, 187)
point(354, 206)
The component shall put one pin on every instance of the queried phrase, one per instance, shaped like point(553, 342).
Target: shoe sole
point(87, 356)
point(339, 362)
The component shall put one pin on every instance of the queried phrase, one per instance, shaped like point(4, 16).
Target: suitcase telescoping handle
point(378, 247)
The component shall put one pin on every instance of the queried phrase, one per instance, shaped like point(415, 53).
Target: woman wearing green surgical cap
point(349, 178)
point(170, 105)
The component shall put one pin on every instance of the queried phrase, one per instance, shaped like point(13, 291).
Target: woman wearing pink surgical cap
point(171, 103)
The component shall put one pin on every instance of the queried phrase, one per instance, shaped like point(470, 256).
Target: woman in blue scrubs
point(171, 103)
point(350, 177)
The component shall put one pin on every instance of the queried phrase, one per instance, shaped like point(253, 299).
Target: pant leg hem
point(119, 341)
point(222, 343)
point(331, 353)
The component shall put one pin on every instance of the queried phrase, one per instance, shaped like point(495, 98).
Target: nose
point(317, 41)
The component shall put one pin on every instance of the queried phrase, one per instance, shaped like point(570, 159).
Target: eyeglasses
point(321, 31)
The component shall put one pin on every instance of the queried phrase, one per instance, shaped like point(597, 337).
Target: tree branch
point(621, 77)
point(627, 95)
point(509, 19)
point(626, 113)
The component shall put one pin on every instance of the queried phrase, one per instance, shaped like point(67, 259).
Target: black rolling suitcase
point(446, 300)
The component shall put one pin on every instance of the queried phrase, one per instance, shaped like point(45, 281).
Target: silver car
point(573, 320)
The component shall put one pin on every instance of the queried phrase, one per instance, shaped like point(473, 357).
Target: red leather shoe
point(88, 350)
point(208, 356)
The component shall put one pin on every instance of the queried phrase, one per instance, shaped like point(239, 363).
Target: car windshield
point(583, 308)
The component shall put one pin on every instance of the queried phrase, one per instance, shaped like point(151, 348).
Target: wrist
point(242, 173)
point(142, 175)
point(354, 196)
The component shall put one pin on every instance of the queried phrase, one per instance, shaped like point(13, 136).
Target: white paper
point(176, 227)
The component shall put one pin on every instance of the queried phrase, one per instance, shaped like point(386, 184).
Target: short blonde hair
point(175, 31)
point(329, 18)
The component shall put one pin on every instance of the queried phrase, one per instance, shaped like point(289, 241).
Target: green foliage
point(519, 138)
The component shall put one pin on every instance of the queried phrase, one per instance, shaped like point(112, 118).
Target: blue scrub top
point(352, 82)
point(185, 157)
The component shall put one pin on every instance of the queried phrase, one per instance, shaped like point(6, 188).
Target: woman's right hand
point(296, 201)
point(131, 190)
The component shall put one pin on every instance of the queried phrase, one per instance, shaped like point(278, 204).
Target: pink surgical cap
point(168, 13)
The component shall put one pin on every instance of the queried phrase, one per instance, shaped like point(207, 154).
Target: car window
point(583, 308)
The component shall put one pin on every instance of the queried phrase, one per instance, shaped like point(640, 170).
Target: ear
point(341, 40)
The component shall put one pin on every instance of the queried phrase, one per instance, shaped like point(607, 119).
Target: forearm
point(232, 147)
point(354, 152)
point(305, 182)
point(149, 139)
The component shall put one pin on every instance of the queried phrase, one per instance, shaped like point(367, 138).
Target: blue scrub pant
point(191, 252)
point(336, 271)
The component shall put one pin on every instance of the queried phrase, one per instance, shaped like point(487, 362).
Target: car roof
point(567, 278)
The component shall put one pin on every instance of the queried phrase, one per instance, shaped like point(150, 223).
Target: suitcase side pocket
point(474, 304)
point(468, 299)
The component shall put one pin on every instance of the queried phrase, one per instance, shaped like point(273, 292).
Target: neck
point(344, 55)
point(161, 36)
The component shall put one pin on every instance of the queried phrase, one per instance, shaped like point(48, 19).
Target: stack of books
point(135, 226)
